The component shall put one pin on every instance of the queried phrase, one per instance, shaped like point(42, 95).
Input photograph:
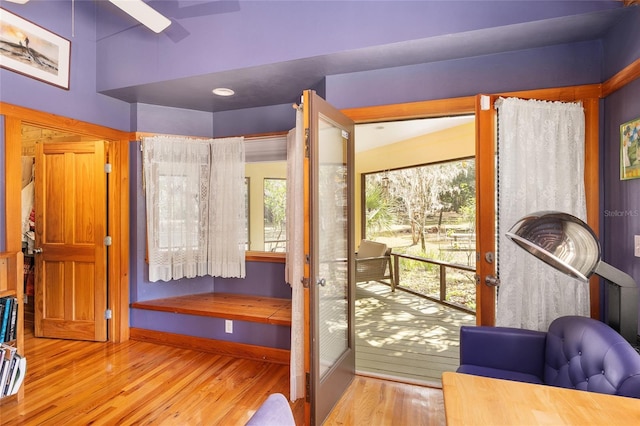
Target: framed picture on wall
point(630, 150)
point(31, 50)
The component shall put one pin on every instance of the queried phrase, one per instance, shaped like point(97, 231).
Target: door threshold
point(406, 380)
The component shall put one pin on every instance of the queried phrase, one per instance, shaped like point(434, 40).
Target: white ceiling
point(373, 135)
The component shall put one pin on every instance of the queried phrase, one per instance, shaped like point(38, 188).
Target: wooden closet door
point(71, 218)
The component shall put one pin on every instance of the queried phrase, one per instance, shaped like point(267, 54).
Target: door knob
point(492, 281)
point(37, 250)
point(322, 282)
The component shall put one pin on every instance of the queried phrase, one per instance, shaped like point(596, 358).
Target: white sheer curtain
point(227, 220)
point(185, 204)
point(540, 167)
point(295, 254)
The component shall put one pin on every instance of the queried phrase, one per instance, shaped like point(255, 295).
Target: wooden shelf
point(11, 285)
point(268, 310)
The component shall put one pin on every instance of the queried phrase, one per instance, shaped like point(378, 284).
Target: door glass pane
point(333, 244)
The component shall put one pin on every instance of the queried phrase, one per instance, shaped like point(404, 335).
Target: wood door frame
point(117, 198)
point(589, 95)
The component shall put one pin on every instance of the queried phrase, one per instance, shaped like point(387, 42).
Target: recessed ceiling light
point(223, 91)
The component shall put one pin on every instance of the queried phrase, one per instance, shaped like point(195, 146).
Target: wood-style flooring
point(401, 335)
point(81, 383)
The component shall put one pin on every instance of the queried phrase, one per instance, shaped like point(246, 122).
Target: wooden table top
point(474, 400)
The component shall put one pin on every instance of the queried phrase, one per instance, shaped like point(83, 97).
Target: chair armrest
point(275, 410)
point(368, 259)
point(372, 263)
point(630, 387)
point(503, 348)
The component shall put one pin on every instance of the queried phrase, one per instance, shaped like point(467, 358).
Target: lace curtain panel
point(195, 217)
point(227, 218)
point(540, 167)
point(295, 254)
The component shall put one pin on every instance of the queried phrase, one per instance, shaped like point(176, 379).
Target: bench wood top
point(269, 310)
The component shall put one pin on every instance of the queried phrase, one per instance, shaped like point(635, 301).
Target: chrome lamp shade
point(570, 245)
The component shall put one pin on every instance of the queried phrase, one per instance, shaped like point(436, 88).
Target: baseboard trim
point(220, 347)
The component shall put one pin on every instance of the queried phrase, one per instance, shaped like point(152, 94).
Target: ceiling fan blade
point(17, 1)
point(144, 14)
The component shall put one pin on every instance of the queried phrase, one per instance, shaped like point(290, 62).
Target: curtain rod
point(251, 137)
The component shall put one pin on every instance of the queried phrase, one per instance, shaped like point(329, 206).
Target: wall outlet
point(636, 244)
point(228, 326)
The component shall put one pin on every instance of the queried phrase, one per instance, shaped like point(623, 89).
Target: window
point(426, 210)
point(275, 208)
point(178, 224)
point(265, 160)
point(196, 223)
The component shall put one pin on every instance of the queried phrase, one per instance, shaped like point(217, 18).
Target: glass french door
point(330, 250)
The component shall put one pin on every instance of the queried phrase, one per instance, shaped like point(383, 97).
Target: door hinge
point(107, 241)
point(305, 282)
point(306, 143)
point(107, 168)
point(107, 314)
point(307, 379)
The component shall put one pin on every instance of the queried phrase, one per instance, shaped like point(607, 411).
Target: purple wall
point(620, 214)
point(266, 32)
point(621, 206)
point(251, 333)
point(274, 118)
point(117, 53)
point(557, 66)
point(161, 119)
point(623, 43)
point(81, 100)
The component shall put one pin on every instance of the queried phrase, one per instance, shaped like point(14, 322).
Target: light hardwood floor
point(80, 383)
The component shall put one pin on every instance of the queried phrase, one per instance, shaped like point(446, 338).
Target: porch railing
point(421, 282)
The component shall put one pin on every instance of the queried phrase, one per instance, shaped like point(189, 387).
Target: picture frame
point(28, 49)
point(630, 150)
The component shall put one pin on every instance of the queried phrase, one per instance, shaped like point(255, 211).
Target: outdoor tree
point(275, 196)
point(419, 192)
point(462, 196)
point(379, 215)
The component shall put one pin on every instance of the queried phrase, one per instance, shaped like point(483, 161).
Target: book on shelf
point(8, 353)
point(12, 365)
point(21, 371)
point(6, 303)
point(13, 321)
point(1, 319)
point(6, 385)
point(12, 370)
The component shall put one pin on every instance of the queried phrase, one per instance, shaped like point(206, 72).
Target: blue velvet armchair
point(576, 353)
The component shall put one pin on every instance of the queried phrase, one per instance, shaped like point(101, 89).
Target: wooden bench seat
point(268, 310)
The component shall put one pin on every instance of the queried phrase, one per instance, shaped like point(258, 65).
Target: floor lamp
point(570, 245)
